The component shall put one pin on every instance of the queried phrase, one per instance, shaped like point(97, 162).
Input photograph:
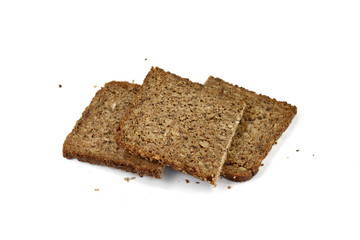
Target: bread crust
point(75, 144)
point(156, 172)
point(238, 169)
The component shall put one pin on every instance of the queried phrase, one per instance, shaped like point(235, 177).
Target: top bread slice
point(181, 124)
point(263, 122)
point(93, 137)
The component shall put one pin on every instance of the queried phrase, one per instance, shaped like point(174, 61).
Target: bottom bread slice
point(93, 138)
point(263, 122)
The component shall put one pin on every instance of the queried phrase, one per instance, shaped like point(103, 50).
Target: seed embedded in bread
point(181, 124)
point(93, 138)
point(263, 122)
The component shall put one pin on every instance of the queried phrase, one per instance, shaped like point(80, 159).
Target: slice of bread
point(93, 138)
point(181, 124)
point(263, 122)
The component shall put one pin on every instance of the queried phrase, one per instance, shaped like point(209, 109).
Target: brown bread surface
point(93, 138)
point(181, 124)
point(263, 122)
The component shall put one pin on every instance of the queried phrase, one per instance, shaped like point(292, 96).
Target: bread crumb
point(145, 59)
point(60, 86)
point(96, 189)
point(262, 164)
point(197, 182)
point(128, 179)
point(95, 86)
point(229, 187)
point(187, 181)
point(313, 155)
point(297, 150)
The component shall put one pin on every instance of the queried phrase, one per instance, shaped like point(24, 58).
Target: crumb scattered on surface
point(128, 179)
point(60, 86)
point(313, 155)
point(297, 150)
point(95, 86)
point(275, 143)
point(262, 164)
point(132, 81)
point(96, 189)
point(197, 182)
point(145, 59)
point(229, 187)
point(187, 180)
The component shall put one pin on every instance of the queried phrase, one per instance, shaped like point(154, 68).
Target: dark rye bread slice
point(181, 124)
point(93, 138)
point(263, 122)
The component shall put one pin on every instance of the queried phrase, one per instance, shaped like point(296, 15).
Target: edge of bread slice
point(92, 139)
point(180, 124)
point(263, 122)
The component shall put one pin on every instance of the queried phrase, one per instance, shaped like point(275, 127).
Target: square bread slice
point(263, 122)
point(180, 124)
point(93, 138)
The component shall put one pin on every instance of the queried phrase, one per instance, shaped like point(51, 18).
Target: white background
point(304, 52)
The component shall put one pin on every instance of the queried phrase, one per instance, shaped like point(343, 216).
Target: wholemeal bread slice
point(263, 122)
point(181, 124)
point(93, 138)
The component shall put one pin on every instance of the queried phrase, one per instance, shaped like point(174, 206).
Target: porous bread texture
point(263, 122)
point(181, 124)
point(92, 139)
